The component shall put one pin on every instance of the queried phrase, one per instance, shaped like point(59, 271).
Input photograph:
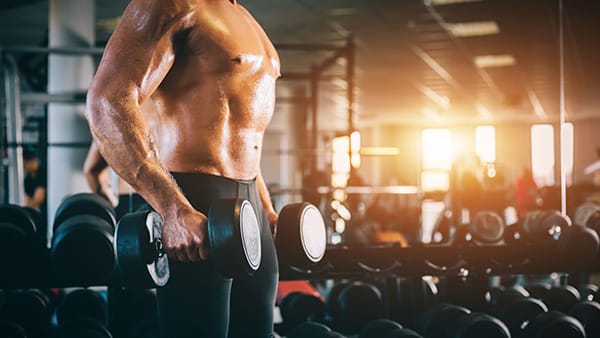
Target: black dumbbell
point(589, 292)
point(299, 307)
point(355, 305)
point(486, 228)
point(378, 328)
point(520, 312)
point(588, 314)
point(562, 298)
point(233, 233)
point(435, 320)
point(80, 303)
point(30, 309)
point(11, 330)
point(308, 330)
point(19, 237)
point(498, 297)
point(554, 324)
point(402, 333)
point(301, 235)
point(82, 248)
point(82, 327)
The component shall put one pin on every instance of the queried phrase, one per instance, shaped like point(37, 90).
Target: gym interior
point(451, 147)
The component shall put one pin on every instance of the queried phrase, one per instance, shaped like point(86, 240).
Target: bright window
point(437, 149)
point(542, 154)
point(485, 143)
point(437, 159)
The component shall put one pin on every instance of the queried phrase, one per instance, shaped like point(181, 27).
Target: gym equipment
point(299, 307)
point(82, 242)
point(30, 309)
point(539, 290)
point(378, 328)
point(234, 239)
point(588, 314)
point(84, 204)
point(474, 325)
point(498, 297)
point(402, 333)
point(356, 304)
point(589, 292)
point(19, 238)
point(435, 320)
point(308, 330)
point(554, 324)
point(82, 327)
point(82, 303)
point(540, 225)
point(11, 330)
point(562, 298)
point(588, 215)
point(520, 312)
point(301, 235)
point(487, 228)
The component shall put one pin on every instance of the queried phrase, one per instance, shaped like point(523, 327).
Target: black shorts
point(197, 301)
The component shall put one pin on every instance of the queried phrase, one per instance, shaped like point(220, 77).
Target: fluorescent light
point(488, 61)
point(476, 28)
point(447, 2)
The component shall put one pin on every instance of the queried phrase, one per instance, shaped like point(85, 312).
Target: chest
point(226, 39)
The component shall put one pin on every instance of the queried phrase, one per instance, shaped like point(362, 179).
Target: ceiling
point(412, 65)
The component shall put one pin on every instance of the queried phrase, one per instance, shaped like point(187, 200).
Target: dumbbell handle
point(159, 248)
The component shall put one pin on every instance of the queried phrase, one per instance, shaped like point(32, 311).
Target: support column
point(71, 24)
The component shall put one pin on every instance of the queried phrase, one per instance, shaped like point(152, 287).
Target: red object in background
point(286, 287)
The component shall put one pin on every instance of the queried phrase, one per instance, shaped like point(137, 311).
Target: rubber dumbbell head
point(487, 227)
point(301, 235)
point(140, 256)
point(379, 328)
point(84, 204)
point(234, 236)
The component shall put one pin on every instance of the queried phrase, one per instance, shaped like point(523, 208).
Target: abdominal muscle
point(216, 127)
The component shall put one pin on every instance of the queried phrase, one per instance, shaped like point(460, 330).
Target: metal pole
point(54, 50)
point(563, 172)
point(350, 63)
point(14, 131)
point(314, 106)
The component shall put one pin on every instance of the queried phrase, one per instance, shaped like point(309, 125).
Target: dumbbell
point(19, 237)
point(11, 330)
point(517, 314)
point(588, 314)
point(299, 307)
point(453, 321)
point(30, 309)
point(301, 235)
point(234, 240)
point(386, 328)
point(554, 324)
point(82, 248)
point(486, 228)
point(308, 329)
point(82, 327)
point(355, 304)
point(82, 303)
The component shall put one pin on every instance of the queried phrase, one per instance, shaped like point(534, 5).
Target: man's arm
point(95, 170)
point(39, 196)
point(265, 199)
point(136, 60)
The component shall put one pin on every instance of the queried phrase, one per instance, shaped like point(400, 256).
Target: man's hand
point(272, 217)
point(185, 236)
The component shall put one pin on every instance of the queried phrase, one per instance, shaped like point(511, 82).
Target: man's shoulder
point(158, 15)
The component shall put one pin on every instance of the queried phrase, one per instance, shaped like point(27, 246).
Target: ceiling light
point(487, 61)
point(476, 28)
point(447, 2)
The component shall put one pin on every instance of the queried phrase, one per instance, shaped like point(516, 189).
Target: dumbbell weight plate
point(84, 203)
point(487, 227)
point(82, 249)
point(301, 234)
point(13, 214)
point(234, 235)
point(138, 260)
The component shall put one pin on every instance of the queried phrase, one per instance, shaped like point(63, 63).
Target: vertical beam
point(350, 73)
point(314, 106)
point(14, 131)
point(71, 24)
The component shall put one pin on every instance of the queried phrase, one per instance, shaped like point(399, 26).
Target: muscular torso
point(218, 98)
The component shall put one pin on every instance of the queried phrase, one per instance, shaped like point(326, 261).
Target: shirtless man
point(210, 70)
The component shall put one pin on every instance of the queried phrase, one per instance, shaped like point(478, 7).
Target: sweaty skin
point(210, 70)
